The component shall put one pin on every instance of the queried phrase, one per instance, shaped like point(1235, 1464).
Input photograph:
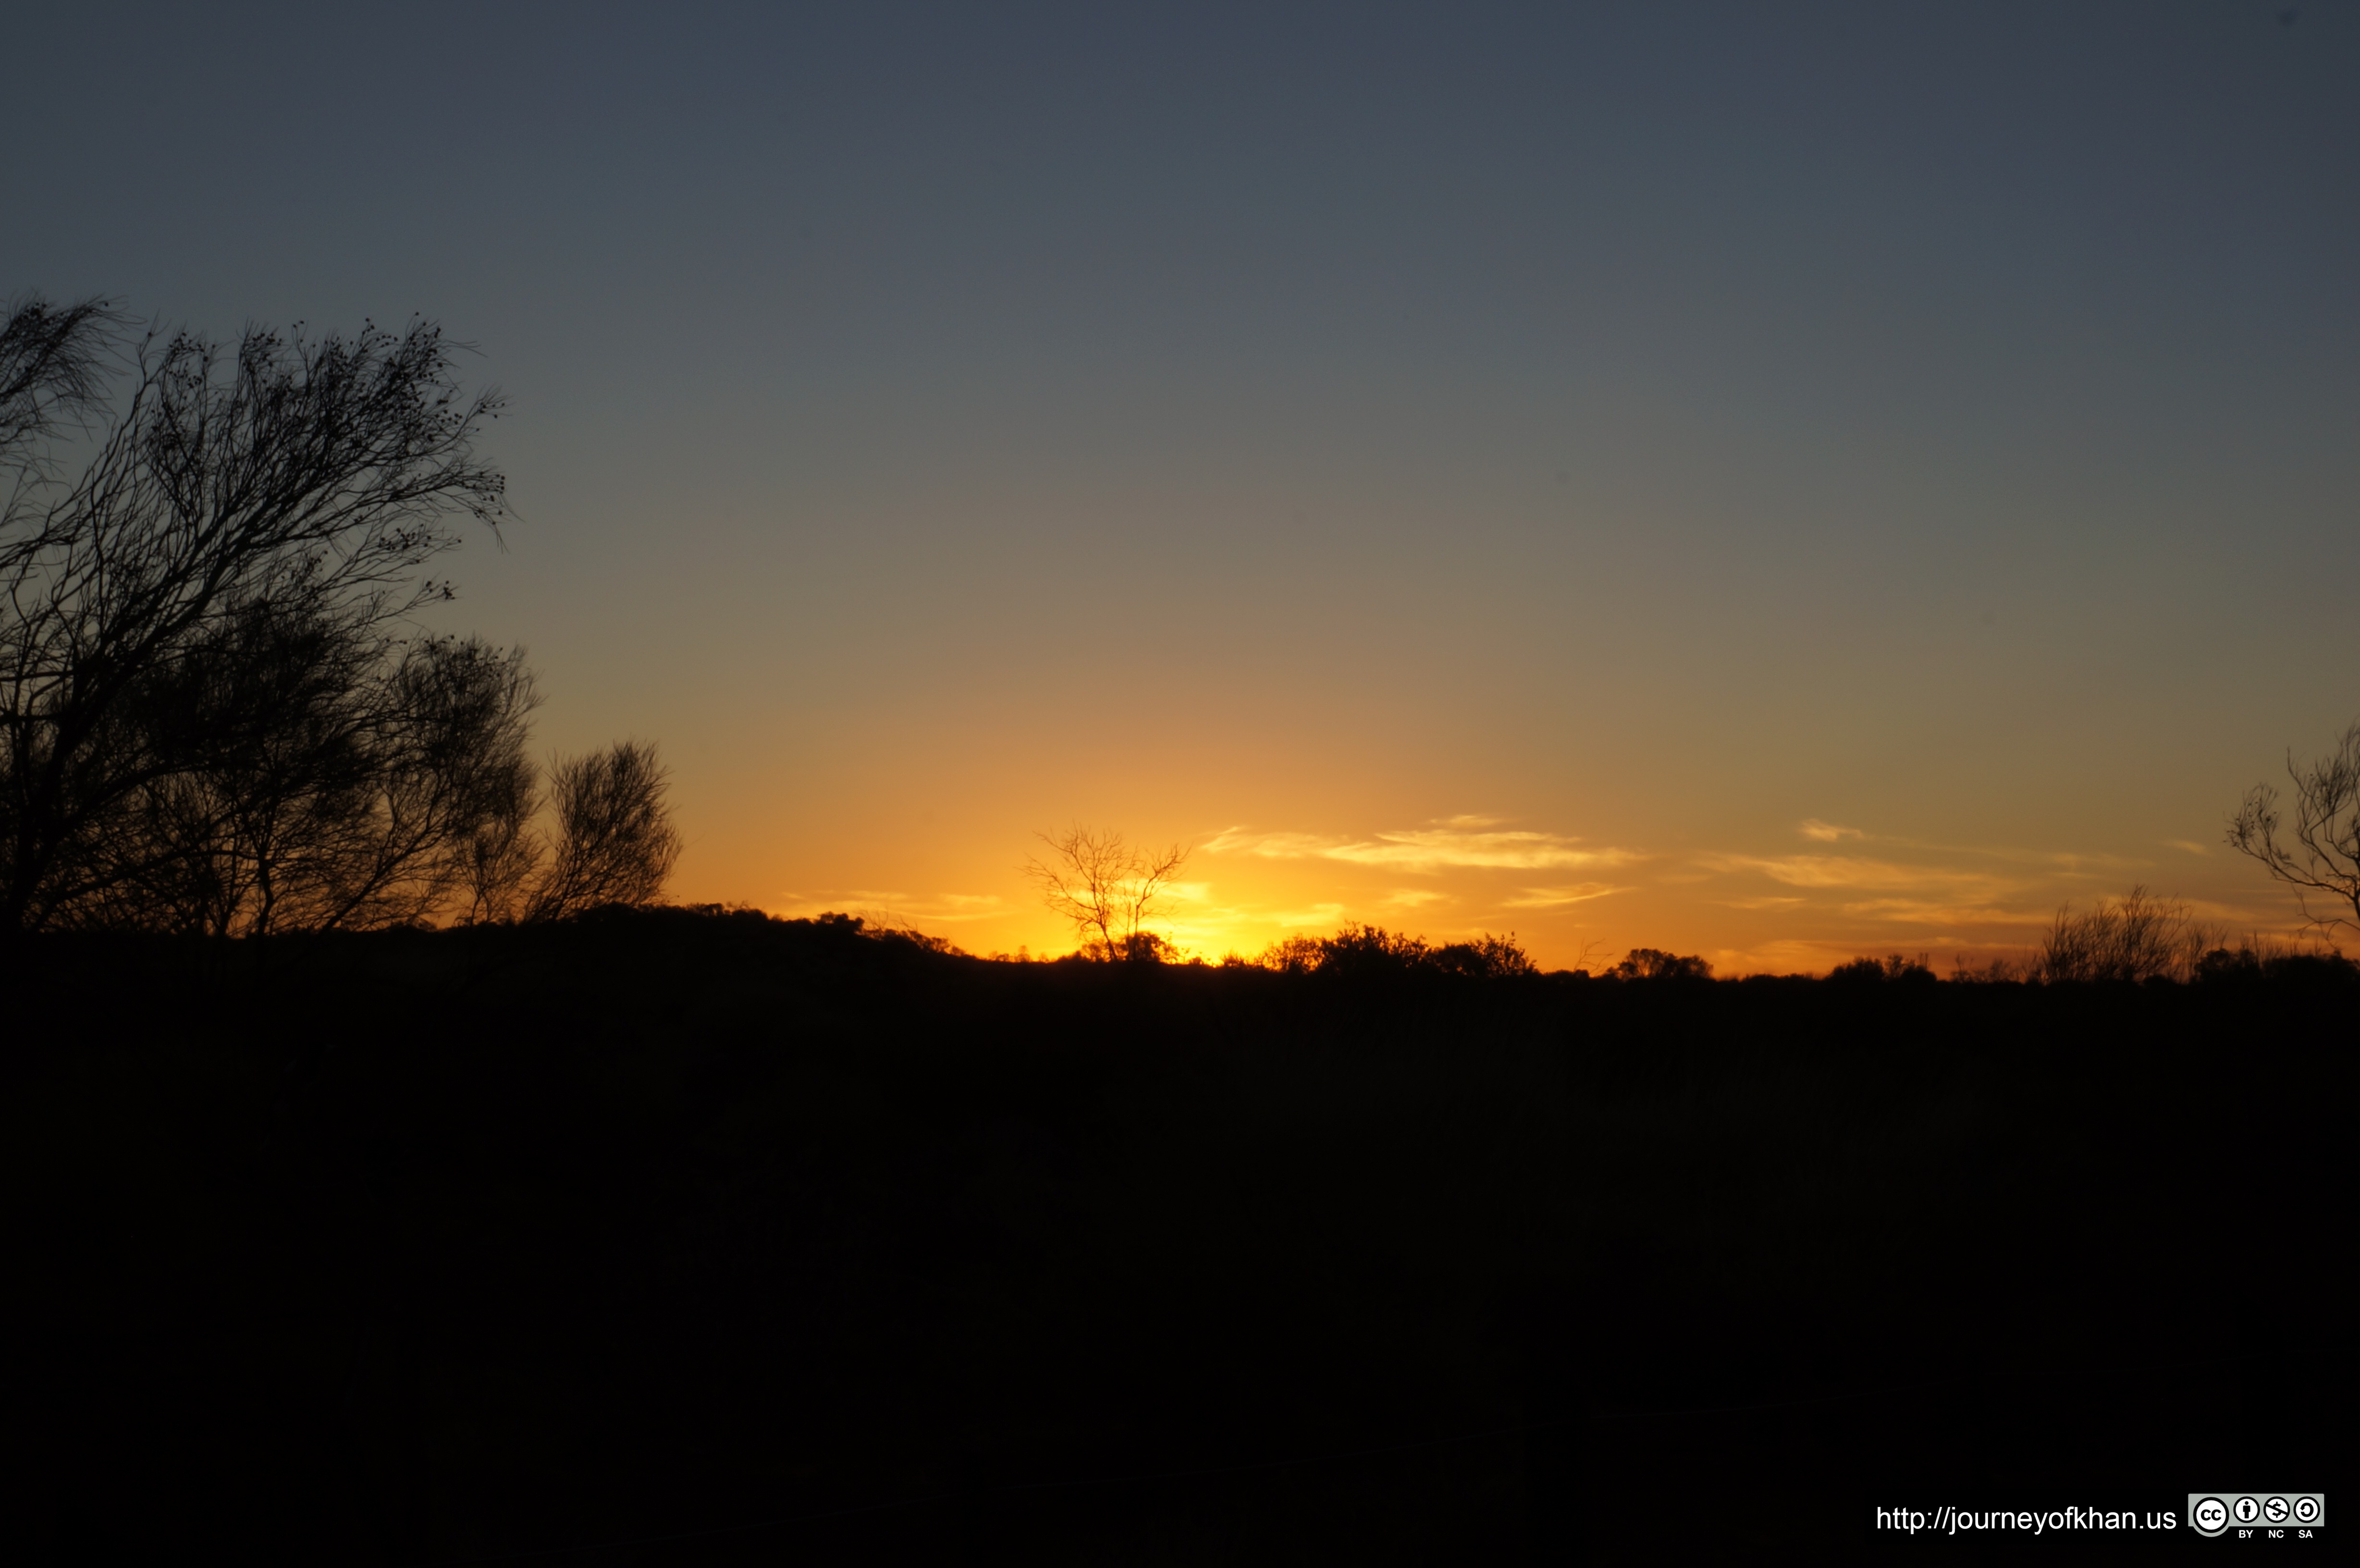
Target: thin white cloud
point(892, 909)
point(1458, 843)
point(1826, 833)
point(1560, 897)
point(1413, 898)
point(1928, 912)
point(2190, 845)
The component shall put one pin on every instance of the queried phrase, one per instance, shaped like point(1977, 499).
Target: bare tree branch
point(54, 371)
point(2323, 859)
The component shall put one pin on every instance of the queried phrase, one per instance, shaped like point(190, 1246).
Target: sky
point(1777, 483)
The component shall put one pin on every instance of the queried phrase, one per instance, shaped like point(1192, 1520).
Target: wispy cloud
point(1456, 843)
point(890, 907)
point(1856, 872)
point(1559, 898)
point(1911, 883)
point(2190, 845)
point(1933, 913)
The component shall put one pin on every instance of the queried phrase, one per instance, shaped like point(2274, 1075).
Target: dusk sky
point(1772, 482)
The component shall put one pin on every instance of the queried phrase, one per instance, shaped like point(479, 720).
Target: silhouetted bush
point(1485, 958)
point(2134, 938)
point(1891, 967)
point(2255, 962)
point(1359, 950)
point(1294, 955)
point(1366, 950)
point(1654, 964)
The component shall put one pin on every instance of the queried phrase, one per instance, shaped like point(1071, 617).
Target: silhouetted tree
point(1891, 966)
point(2325, 856)
point(1654, 964)
point(1487, 957)
point(616, 843)
point(320, 784)
point(216, 712)
point(285, 493)
point(1359, 949)
point(1294, 955)
point(1107, 888)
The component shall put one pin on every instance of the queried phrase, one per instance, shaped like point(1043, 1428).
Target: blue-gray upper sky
point(1644, 428)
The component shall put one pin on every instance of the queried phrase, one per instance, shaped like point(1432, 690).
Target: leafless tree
point(2136, 937)
point(2322, 860)
point(616, 843)
point(1107, 888)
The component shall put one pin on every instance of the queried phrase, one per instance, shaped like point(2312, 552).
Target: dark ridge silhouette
point(747, 1240)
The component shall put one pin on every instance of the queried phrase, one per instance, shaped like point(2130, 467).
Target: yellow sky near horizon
point(1834, 893)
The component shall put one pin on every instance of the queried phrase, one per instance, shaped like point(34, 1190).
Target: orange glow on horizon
point(1832, 895)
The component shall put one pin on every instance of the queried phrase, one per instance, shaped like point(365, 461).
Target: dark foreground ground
point(776, 1243)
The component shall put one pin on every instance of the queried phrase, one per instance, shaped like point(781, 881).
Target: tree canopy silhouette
point(1359, 949)
point(218, 711)
point(1655, 963)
